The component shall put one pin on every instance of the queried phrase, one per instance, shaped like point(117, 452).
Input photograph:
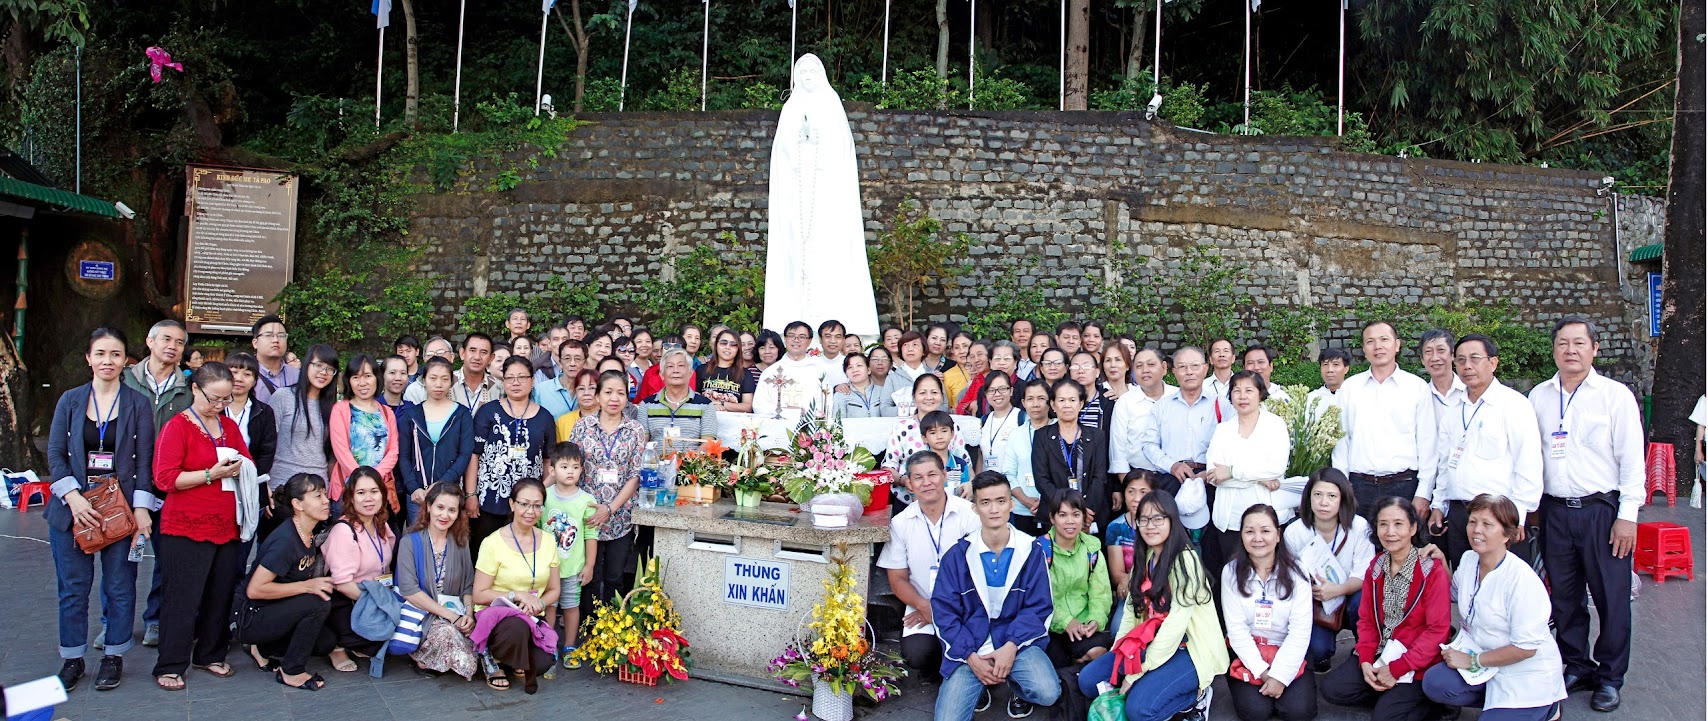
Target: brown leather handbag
point(117, 522)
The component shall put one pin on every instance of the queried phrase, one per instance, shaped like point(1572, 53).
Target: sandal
point(498, 683)
point(170, 681)
point(220, 669)
point(262, 662)
point(312, 683)
point(344, 665)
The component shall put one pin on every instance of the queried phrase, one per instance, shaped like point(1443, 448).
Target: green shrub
point(681, 92)
point(559, 299)
point(722, 283)
point(1012, 293)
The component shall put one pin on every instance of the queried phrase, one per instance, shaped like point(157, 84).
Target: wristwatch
point(511, 597)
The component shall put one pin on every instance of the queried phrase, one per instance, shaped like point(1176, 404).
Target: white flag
point(546, 5)
point(1254, 4)
point(631, 7)
point(382, 13)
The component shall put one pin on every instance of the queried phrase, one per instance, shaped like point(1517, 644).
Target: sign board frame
point(756, 585)
point(241, 246)
point(97, 270)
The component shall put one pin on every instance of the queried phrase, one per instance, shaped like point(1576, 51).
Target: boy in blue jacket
point(992, 607)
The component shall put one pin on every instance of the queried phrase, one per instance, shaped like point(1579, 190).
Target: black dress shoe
point(112, 668)
point(1576, 683)
point(71, 673)
point(1606, 698)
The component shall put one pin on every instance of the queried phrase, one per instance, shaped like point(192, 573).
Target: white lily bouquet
point(1313, 426)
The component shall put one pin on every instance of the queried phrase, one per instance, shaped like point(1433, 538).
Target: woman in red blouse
point(197, 542)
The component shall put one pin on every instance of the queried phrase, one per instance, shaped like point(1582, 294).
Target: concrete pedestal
point(744, 579)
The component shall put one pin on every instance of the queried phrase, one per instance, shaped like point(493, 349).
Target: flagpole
point(457, 92)
point(628, 27)
point(792, 14)
point(1247, 99)
point(1061, 56)
point(379, 72)
point(972, 46)
point(884, 75)
point(540, 76)
point(1340, 80)
point(705, 47)
point(1156, 61)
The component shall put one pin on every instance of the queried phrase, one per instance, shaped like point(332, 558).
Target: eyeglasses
point(1470, 359)
point(998, 389)
point(319, 366)
point(217, 401)
point(729, 344)
point(1050, 363)
point(527, 506)
point(1152, 521)
point(1189, 366)
point(271, 335)
point(1083, 367)
point(798, 336)
point(516, 379)
point(626, 349)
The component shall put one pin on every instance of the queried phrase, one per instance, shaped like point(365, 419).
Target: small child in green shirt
point(567, 511)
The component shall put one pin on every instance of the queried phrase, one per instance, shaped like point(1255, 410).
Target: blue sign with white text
point(1654, 305)
point(94, 270)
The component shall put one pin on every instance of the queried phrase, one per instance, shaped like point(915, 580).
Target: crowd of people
point(1105, 526)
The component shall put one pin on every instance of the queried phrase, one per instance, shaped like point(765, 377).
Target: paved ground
point(1666, 680)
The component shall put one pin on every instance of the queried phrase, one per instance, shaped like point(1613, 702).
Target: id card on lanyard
point(1069, 455)
point(1557, 439)
point(1465, 437)
point(100, 459)
point(607, 474)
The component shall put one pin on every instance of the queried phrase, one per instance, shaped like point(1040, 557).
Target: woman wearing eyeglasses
point(623, 349)
point(303, 413)
point(518, 564)
point(198, 450)
point(510, 438)
point(721, 378)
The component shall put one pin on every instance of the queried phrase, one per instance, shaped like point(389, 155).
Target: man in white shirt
point(1182, 424)
point(918, 537)
point(794, 383)
point(1592, 481)
point(1020, 331)
point(1332, 364)
point(1260, 359)
point(436, 347)
point(1435, 347)
point(830, 335)
point(1133, 412)
point(1389, 448)
point(1221, 368)
point(1493, 448)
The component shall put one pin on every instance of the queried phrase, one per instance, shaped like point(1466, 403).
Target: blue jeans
point(1322, 639)
point(1444, 685)
point(76, 572)
point(1158, 695)
point(1032, 678)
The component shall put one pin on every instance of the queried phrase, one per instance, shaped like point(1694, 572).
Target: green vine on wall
point(722, 283)
point(559, 299)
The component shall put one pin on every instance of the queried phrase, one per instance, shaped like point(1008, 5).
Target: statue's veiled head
point(809, 75)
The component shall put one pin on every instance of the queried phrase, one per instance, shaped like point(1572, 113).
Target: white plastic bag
point(835, 510)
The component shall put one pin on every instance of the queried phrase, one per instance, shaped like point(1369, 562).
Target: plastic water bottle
point(648, 497)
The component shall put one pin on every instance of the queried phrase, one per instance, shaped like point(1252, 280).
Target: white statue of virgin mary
point(815, 259)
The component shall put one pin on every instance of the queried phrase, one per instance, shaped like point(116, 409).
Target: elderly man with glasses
point(1492, 447)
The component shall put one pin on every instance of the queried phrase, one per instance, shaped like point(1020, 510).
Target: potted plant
point(751, 477)
point(640, 637)
point(836, 654)
point(699, 472)
point(824, 464)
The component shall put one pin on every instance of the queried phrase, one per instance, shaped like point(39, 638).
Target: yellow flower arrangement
point(837, 651)
point(640, 634)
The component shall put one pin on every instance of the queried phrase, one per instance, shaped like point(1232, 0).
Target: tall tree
point(1678, 370)
point(943, 39)
point(412, 68)
point(1078, 55)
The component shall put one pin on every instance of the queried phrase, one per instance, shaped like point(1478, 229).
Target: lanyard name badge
point(454, 603)
point(936, 540)
point(101, 459)
point(1465, 438)
point(379, 553)
point(1263, 611)
point(1557, 439)
point(1477, 590)
point(1068, 457)
point(607, 474)
point(518, 434)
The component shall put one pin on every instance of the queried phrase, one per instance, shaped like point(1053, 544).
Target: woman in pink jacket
point(363, 432)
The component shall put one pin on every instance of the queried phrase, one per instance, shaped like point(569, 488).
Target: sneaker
point(1201, 710)
point(1019, 707)
point(71, 673)
point(100, 643)
point(151, 636)
point(112, 667)
point(984, 700)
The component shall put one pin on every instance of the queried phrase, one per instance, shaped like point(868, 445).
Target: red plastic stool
point(1662, 474)
point(1663, 549)
point(25, 490)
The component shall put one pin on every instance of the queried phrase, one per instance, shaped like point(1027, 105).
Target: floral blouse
point(620, 451)
point(367, 436)
point(907, 440)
